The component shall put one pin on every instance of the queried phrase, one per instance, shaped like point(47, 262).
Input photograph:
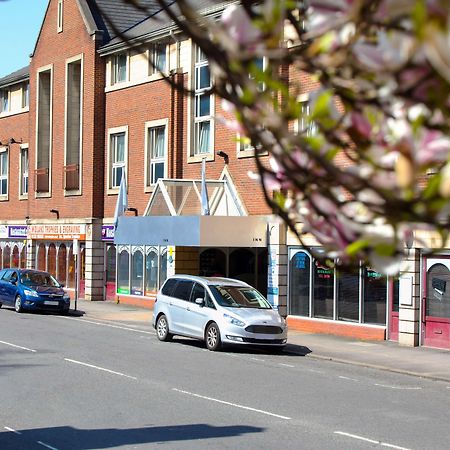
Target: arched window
point(62, 264)
point(71, 269)
point(23, 257)
point(162, 267)
point(6, 257)
point(40, 257)
point(110, 272)
point(438, 296)
point(123, 271)
point(299, 284)
point(51, 259)
point(15, 257)
point(151, 271)
point(137, 272)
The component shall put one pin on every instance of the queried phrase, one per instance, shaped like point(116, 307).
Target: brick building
point(90, 109)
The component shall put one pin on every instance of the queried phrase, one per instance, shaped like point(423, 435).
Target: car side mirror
point(200, 301)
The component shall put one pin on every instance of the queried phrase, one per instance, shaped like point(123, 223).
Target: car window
point(2, 272)
point(7, 275)
point(200, 292)
point(239, 297)
point(167, 289)
point(183, 290)
point(39, 279)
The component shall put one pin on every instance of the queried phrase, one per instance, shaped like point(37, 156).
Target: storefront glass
point(137, 272)
point(299, 284)
point(41, 257)
point(348, 296)
point(51, 259)
point(6, 257)
point(15, 261)
point(123, 272)
point(323, 291)
point(62, 264)
point(375, 294)
point(151, 271)
point(110, 272)
point(71, 271)
point(23, 257)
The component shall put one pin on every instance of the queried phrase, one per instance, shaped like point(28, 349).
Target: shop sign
point(57, 231)
point(3, 231)
point(108, 232)
point(123, 291)
point(272, 277)
point(18, 231)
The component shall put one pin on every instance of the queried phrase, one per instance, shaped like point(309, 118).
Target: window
point(156, 154)
point(151, 271)
point(203, 102)
point(304, 124)
point(137, 272)
point(123, 272)
point(158, 59)
point(25, 94)
point(23, 190)
point(375, 293)
point(117, 157)
point(73, 126)
point(183, 290)
point(4, 172)
point(59, 26)
point(119, 68)
point(4, 100)
point(299, 284)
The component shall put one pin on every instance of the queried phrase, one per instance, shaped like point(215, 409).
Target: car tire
point(162, 329)
point(1, 304)
point(212, 337)
point(18, 304)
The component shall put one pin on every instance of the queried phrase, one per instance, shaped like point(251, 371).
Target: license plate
point(51, 302)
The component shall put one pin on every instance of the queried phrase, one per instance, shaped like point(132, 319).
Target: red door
point(436, 303)
point(394, 306)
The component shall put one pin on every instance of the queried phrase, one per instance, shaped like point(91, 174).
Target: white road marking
point(401, 388)
point(258, 359)
point(286, 365)
point(372, 441)
point(18, 346)
point(108, 325)
point(46, 445)
point(347, 378)
point(99, 368)
point(12, 430)
point(316, 371)
point(231, 404)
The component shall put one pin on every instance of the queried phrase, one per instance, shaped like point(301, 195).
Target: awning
point(193, 231)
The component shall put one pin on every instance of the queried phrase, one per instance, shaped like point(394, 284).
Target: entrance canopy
point(173, 217)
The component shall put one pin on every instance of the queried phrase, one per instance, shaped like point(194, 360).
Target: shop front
point(13, 248)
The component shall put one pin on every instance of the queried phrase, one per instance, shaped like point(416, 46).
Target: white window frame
point(5, 101)
point(24, 173)
point(25, 94)
point(196, 121)
point(4, 151)
point(152, 53)
point(115, 65)
point(59, 16)
point(114, 165)
point(148, 185)
point(302, 124)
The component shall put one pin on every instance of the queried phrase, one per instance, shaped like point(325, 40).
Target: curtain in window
point(204, 133)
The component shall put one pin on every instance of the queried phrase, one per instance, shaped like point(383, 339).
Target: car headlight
point(29, 293)
point(233, 320)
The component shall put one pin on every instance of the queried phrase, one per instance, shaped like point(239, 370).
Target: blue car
point(27, 289)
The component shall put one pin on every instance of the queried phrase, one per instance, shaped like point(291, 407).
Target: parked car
point(217, 311)
point(32, 290)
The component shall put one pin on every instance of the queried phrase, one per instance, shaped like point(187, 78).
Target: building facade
point(80, 118)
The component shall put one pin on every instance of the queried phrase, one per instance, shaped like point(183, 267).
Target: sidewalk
point(417, 361)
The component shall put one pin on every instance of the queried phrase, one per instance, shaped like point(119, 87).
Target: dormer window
point(59, 20)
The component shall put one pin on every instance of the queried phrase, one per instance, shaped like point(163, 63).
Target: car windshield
point(239, 297)
point(39, 279)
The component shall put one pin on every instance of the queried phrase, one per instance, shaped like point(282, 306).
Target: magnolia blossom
point(239, 26)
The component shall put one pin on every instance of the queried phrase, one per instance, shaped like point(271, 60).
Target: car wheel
point(1, 305)
point(18, 304)
point(162, 329)
point(212, 337)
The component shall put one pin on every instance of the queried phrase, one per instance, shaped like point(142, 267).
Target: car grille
point(264, 329)
point(263, 341)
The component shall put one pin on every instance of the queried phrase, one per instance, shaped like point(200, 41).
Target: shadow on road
point(77, 439)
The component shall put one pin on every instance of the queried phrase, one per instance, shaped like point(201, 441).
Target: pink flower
point(239, 26)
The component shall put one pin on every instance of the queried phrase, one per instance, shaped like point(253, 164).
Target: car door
point(2, 274)
point(10, 286)
point(179, 302)
point(198, 315)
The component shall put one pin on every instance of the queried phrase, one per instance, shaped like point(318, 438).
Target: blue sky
point(21, 21)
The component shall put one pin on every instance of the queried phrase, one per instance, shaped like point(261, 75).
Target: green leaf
point(356, 247)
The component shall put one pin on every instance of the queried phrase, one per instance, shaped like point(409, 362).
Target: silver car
point(218, 311)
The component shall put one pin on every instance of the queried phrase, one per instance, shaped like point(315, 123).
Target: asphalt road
point(73, 383)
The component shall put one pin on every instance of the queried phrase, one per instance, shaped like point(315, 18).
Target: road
point(75, 383)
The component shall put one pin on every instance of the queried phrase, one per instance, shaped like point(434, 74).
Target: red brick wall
point(54, 49)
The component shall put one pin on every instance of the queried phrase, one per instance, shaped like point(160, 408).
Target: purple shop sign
point(108, 233)
point(18, 231)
